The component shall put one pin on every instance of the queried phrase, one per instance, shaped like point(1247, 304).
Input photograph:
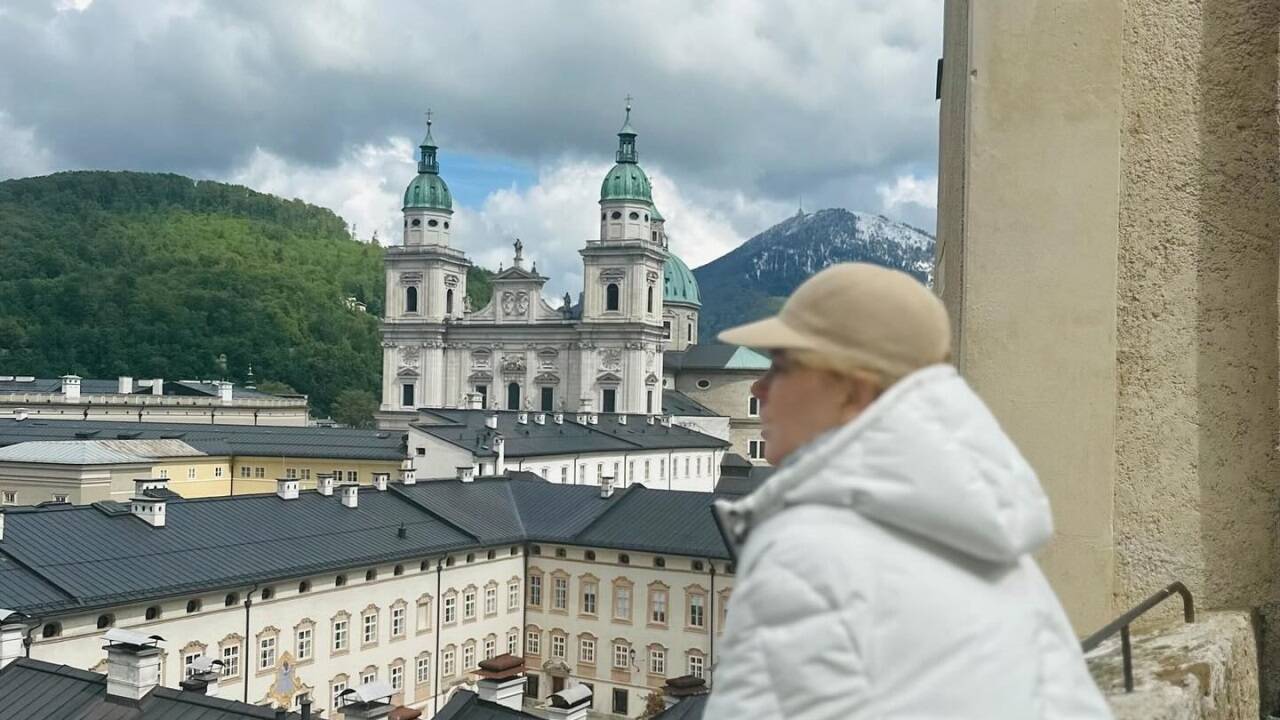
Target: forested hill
point(118, 273)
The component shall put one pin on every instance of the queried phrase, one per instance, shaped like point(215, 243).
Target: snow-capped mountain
point(752, 280)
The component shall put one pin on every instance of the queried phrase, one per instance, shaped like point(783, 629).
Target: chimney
point(622, 418)
point(141, 486)
point(126, 385)
point(149, 510)
point(133, 663)
point(558, 418)
point(408, 476)
point(287, 488)
point(324, 484)
point(653, 419)
point(502, 681)
point(1, 529)
point(71, 387)
point(679, 688)
point(593, 418)
point(306, 708)
point(500, 447)
point(570, 703)
point(370, 701)
point(204, 676)
point(350, 495)
point(475, 401)
point(522, 417)
point(224, 392)
point(540, 418)
point(666, 420)
point(13, 630)
point(157, 386)
point(381, 480)
point(21, 414)
point(491, 421)
point(466, 473)
point(606, 486)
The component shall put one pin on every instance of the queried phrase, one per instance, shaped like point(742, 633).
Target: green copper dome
point(626, 181)
point(678, 283)
point(429, 191)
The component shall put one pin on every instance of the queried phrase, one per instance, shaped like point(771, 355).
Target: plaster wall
point(1032, 190)
point(1197, 409)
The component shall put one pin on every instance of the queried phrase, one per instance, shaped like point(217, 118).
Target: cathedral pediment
point(608, 377)
point(547, 378)
point(480, 376)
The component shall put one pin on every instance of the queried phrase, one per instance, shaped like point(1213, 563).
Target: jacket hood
point(927, 458)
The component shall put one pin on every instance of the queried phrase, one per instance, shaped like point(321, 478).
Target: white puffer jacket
point(885, 573)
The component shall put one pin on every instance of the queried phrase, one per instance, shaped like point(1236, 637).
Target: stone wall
point(1207, 670)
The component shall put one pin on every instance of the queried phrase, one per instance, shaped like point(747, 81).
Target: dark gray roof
point(690, 708)
point(37, 690)
point(466, 429)
point(466, 705)
point(242, 440)
point(737, 485)
point(91, 386)
point(103, 556)
point(675, 402)
point(715, 357)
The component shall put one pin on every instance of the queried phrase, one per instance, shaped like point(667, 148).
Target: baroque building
point(603, 354)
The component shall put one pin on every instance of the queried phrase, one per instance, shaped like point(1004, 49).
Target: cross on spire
point(429, 114)
point(629, 99)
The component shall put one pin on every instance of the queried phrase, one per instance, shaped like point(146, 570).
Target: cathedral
point(602, 354)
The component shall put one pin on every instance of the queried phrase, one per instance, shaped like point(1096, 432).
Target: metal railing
point(1121, 625)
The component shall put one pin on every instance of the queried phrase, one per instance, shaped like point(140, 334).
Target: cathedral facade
point(603, 354)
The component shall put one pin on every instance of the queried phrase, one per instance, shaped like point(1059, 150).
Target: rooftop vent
point(224, 392)
point(350, 495)
point(13, 629)
point(133, 663)
point(71, 387)
point(287, 488)
point(125, 385)
point(381, 480)
point(21, 414)
point(370, 701)
point(491, 421)
point(622, 419)
point(570, 703)
point(408, 475)
point(502, 681)
point(606, 486)
point(522, 417)
point(203, 678)
point(466, 473)
point(540, 418)
point(558, 418)
point(324, 484)
point(149, 510)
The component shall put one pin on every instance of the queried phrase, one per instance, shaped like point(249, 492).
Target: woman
point(885, 569)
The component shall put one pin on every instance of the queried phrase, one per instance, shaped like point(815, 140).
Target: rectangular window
point(291, 473)
point(338, 689)
point(187, 659)
point(622, 602)
point(753, 407)
point(60, 497)
point(246, 471)
point(217, 472)
point(397, 677)
point(406, 395)
point(490, 648)
point(339, 635)
point(370, 624)
point(353, 476)
point(533, 642)
point(658, 607)
point(231, 660)
point(697, 614)
point(621, 656)
point(451, 608)
point(513, 642)
point(513, 596)
point(397, 621)
point(424, 614)
point(559, 593)
point(648, 402)
point(267, 653)
point(695, 665)
point(686, 467)
point(557, 646)
point(609, 400)
point(468, 657)
point(646, 469)
point(302, 644)
point(535, 590)
point(564, 474)
point(368, 677)
point(755, 449)
point(666, 329)
point(483, 392)
point(164, 474)
point(531, 686)
point(662, 469)
point(446, 662)
point(491, 601)
point(587, 651)
point(620, 696)
point(657, 662)
point(423, 673)
point(548, 399)
point(191, 473)
point(259, 473)
point(589, 590)
point(469, 606)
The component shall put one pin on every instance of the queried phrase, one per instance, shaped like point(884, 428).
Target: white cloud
point(909, 190)
point(72, 5)
point(23, 154)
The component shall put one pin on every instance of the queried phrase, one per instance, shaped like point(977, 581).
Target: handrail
point(1121, 625)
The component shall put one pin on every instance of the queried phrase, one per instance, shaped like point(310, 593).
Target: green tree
point(355, 408)
point(275, 387)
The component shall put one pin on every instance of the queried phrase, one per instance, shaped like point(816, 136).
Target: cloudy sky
point(745, 108)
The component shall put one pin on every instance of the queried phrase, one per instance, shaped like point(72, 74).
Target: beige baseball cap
point(871, 317)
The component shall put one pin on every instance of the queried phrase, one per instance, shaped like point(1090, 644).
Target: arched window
point(106, 621)
point(513, 396)
point(650, 298)
point(411, 299)
point(611, 297)
point(51, 630)
point(448, 302)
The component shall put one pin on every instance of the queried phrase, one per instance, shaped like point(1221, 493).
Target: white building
point(519, 352)
point(309, 593)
